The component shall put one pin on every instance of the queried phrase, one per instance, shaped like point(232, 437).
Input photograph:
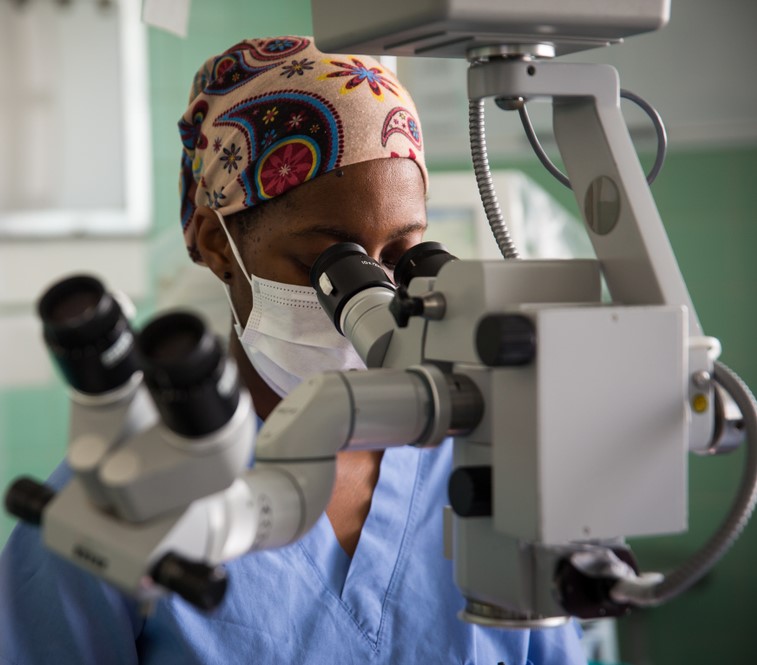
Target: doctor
point(286, 151)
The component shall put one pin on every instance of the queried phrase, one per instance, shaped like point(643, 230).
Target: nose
point(376, 253)
point(388, 271)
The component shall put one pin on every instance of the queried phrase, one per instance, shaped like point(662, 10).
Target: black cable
point(534, 141)
point(662, 139)
point(659, 127)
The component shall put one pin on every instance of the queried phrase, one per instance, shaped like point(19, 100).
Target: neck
point(357, 472)
point(263, 398)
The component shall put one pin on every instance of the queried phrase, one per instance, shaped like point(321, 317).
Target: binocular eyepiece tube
point(342, 272)
point(355, 291)
point(88, 335)
point(422, 260)
point(192, 382)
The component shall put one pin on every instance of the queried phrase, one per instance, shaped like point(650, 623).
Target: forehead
point(378, 196)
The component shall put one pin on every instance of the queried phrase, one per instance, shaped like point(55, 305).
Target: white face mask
point(288, 336)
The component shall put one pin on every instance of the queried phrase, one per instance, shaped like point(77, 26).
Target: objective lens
point(341, 272)
point(422, 260)
point(87, 334)
point(193, 384)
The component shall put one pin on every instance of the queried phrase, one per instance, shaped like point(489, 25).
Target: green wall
point(709, 204)
point(707, 200)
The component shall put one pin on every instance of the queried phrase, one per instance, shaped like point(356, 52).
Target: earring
point(226, 276)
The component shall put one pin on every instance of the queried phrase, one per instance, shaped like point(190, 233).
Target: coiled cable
point(662, 139)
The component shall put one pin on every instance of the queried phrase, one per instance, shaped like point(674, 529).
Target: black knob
point(26, 499)
point(470, 491)
point(404, 306)
point(589, 597)
point(202, 585)
point(504, 340)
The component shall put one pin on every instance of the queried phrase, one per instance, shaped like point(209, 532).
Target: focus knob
point(505, 340)
point(470, 491)
point(203, 586)
point(27, 499)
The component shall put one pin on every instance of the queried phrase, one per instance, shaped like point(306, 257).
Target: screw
point(701, 379)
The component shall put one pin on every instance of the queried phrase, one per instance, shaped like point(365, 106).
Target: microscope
point(572, 415)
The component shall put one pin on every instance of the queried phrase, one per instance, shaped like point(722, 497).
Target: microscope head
point(458, 28)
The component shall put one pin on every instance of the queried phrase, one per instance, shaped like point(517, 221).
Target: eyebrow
point(346, 236)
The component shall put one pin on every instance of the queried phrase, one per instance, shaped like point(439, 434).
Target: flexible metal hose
point(701, 562)
point(484, 180)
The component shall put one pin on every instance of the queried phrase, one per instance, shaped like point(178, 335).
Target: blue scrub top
point(394, 602)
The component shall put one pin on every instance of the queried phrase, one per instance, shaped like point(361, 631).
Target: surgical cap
point(270, 114)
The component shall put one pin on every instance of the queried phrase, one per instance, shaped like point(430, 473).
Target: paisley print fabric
point(269, 114)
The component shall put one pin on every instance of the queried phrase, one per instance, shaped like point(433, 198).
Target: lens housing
point(194, 385)
point(87, 334)
point(422, 260)
point(341, 272)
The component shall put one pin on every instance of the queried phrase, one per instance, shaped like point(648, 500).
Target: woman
point(287, 151)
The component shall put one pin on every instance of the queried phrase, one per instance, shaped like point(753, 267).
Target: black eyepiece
point(193, 384)
point(422, 260)
point(341, 272)
point(87, 334)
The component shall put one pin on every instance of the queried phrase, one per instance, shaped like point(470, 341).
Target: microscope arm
point(295, 461)
point(614, 199)
point(605, 174)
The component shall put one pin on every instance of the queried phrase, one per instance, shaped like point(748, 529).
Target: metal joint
point(525, 52)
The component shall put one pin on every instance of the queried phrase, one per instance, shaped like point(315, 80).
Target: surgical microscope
point(572, 414)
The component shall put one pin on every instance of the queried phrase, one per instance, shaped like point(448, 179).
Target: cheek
point(278, 261)
point(241, 296)
point(255, 250)
point(261, 252)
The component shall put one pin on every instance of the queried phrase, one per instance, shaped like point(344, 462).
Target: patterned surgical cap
point(270, 114)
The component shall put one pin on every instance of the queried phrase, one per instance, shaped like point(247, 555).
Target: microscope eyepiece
point(87, 334)
point(193, 384)
point(422, 260)
point(340, 273)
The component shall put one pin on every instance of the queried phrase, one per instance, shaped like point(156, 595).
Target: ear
point(212, 243)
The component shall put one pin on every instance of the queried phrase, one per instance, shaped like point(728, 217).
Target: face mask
point(288, 336)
